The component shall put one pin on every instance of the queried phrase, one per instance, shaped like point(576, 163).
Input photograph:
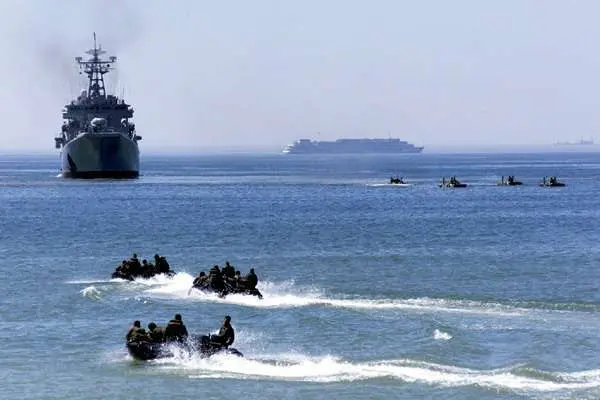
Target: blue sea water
point(370, 291)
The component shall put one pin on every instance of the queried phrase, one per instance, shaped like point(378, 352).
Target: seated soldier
point(136, 325)
point(134, 265)
point(136, 333)
point(146, 269)
point(224, 338)
point(176, 330)
point(226, 335)
point(201, 280)
point(162, 264)
point(122, 269)
point(156, 333)
point(216, 279)
point(228, 270)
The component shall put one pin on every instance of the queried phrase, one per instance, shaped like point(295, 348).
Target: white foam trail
point(593, 374)
point(156, 280)
point(430, 305)
point(399, 185)
point(90, 281)
point(287, 295)
point(91, 292)
point(440, 335)
point(333, 369)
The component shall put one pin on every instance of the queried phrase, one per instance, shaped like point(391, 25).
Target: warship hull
point(100, 155)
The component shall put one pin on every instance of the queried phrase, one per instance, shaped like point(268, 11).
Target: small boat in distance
point(452, 183)
point(393, 182)
point(509, 181)
point(397, 181)
point(551, 182)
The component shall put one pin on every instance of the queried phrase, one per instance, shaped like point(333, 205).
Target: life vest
point(138, 334)
point(157, 334)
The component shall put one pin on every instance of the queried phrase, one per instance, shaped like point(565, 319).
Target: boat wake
point(90, 281)
point(399, 185)
point(287, 295)
point(301, 368)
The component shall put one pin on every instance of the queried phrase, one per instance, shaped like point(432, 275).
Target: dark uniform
point(146, 269)
point(228, 270)
point(156, 333)
point(252, 279)
point(200, 280)
point(135, 264)
point(175, 330)
point(226, 335)
point(136, 333)
point(216, 279)
point(237, 277)
point(161, 264)
point(136, 325)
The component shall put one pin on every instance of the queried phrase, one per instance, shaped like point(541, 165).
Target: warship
point(98, 138)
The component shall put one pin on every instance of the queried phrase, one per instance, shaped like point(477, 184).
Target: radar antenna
point(95, 68)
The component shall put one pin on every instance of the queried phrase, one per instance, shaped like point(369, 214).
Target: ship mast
point(95, 68)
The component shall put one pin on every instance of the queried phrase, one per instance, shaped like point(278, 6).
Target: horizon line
point(428, 149)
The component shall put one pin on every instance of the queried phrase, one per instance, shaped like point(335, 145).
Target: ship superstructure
point(351, 146)
point(98, 138)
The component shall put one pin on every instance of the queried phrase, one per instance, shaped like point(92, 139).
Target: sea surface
point(370, 291)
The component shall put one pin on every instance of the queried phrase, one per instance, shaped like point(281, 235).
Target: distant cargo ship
point(578, 143)
point(352, 146)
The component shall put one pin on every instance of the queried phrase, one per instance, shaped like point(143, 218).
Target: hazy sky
point(263, 73)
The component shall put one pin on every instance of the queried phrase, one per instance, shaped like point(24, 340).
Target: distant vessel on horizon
point(580, 142)
point(351, 146)
point(97, 139)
